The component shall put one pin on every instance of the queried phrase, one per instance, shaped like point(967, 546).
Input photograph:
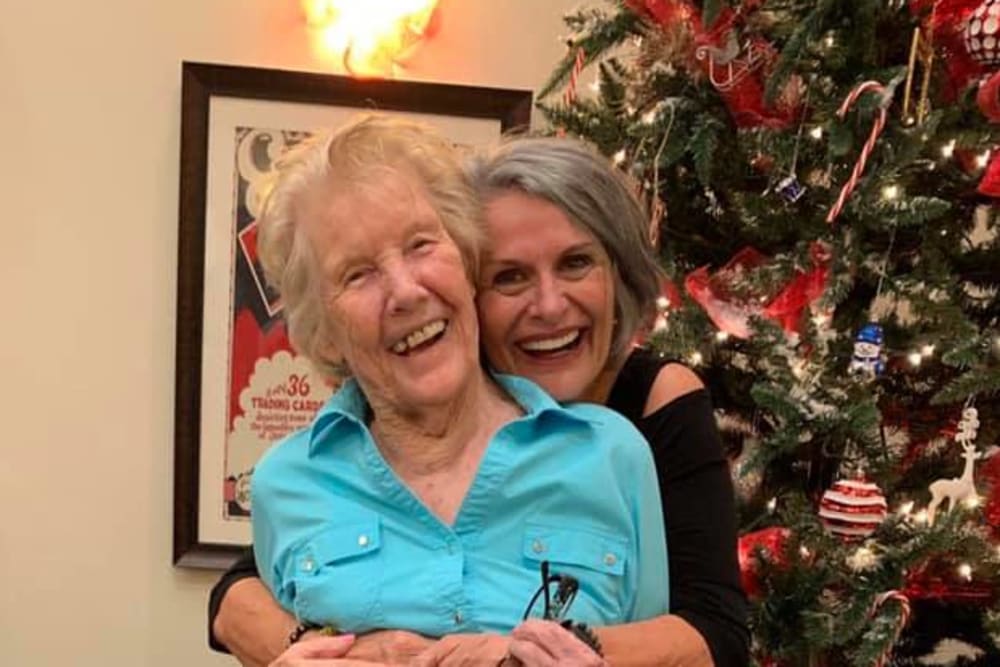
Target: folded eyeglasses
point(557, 605)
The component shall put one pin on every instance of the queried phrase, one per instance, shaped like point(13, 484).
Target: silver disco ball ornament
point(982, 33)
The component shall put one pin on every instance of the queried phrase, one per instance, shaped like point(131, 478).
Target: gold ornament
point(922, 52)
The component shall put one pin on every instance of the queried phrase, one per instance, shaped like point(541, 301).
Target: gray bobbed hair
point(595, 197)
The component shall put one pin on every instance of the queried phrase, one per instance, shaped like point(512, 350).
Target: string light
point(927, 350)
point(804, 551)
point(696, 358)
point(649, 117)
point(921, 517)
point(890, 192)
point(862, 559)
point(914, 358)
point(721, 336)
point(820, 319)
point(619, 157)
point(971, 502)
point(829, 41)
point(965, 571)
point(948, 149)
point(662, 303)
point(905, 509)
point(816, 132)
point(772, 505)
point(982, 159)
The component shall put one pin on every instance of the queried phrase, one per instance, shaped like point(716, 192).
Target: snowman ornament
point(867, 360)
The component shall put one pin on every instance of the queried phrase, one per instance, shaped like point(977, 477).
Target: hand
point(472, 650)
point(389, 646)
point(545, 644)
point(311, 651)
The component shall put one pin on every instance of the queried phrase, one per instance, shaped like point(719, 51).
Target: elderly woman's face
point(546, 298)
point(395, 292)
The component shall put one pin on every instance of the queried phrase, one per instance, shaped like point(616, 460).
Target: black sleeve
point(700, 516)
point(243, 568)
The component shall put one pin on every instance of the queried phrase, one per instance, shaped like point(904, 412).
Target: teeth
point(422, 334)
point(551, 343)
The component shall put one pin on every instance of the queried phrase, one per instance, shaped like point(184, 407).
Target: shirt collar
point(348, 408)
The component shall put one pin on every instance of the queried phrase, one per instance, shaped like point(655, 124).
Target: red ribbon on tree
point(716, 295)
point(989, 185)
point(666, 12)
point(787, 306)
point(731, 312)
point(989, 476)
point(739, 71)
point(937, 580)
point(988, 97)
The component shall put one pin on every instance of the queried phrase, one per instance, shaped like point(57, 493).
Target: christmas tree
point(821, 177)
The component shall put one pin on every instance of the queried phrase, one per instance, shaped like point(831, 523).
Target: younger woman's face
point(546, 296)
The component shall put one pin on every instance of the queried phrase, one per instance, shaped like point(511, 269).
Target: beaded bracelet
point(302, 628)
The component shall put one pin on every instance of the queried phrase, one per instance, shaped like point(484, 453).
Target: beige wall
point(89, 111)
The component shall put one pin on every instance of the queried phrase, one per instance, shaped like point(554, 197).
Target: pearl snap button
point(362, 540)
point(308, 564)
point(537, 546)
point(610, 559)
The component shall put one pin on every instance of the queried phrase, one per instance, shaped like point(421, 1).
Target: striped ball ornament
point(853, 508)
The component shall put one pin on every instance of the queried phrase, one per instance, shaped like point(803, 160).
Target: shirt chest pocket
point(597, 560)
point(337, 576)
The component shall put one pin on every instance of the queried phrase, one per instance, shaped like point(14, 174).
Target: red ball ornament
point(770, 543)
point(762, 163)
point(853, 508)
point(982, 34)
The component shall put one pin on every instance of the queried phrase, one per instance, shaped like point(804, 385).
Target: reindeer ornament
point(961, 488)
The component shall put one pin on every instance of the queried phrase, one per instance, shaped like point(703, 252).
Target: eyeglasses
point(557, 604)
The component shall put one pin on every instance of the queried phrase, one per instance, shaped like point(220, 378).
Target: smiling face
point(546, 298)
point(399, 307)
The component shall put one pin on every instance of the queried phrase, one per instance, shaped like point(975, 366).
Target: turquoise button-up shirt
point(341, 541)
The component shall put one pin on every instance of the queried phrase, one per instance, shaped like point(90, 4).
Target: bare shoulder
point(672, 382)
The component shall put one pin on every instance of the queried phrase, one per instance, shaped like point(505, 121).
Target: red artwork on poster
point(239, 386)
point(272, 390)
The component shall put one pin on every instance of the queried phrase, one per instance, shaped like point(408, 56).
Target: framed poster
point(239, 386)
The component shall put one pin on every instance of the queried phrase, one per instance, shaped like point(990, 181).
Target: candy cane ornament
point(904, 603)
point(869, 146)
point(570, 95)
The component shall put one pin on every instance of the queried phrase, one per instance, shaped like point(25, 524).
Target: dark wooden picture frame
point(201, 84)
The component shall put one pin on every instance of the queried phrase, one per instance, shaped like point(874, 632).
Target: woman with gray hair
point(428, 494)
point(556, 213)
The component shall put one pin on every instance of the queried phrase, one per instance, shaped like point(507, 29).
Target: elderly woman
point(427, 492)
